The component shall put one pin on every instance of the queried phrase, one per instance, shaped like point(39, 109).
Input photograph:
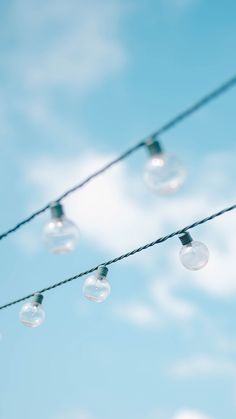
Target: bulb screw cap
point(153, 146)
point(56, 209)
point(38, 298)
point(185, 238)
point(102, 271)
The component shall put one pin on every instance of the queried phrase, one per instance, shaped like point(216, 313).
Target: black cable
point(171, 124)
point(124, 256)
point(196, 106)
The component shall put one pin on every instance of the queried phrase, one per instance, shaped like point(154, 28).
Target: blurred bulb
point(32, 314)
point(60, 234)
point(96, 287)
point(194, 255)
point(164, 173)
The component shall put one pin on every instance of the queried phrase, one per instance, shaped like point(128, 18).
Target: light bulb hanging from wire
point(97, 288)
point(60, 234)
point(32, 313)
point(164, 173)
point(194, 255)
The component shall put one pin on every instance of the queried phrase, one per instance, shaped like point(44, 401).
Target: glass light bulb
point(96, 288)
point(32, 314)
point(164, 173)
point(194, 255)
point(60, 235)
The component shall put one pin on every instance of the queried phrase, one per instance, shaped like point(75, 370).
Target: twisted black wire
point(196, 106)
point(171, 124)
point(124, 256)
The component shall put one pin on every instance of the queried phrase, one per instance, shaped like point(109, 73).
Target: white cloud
point(162, 292)
point(190, 414)
point(137, 313)
point(201, 366)
point(184, 413)
point(163, 305)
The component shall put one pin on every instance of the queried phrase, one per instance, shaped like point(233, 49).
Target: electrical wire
point(169, 125)
point(124, 256)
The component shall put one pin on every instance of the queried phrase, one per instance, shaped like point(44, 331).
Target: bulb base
point(102, 271)
point(38, 298)
point(56, 210)
point(153, 147)
point(185, 238)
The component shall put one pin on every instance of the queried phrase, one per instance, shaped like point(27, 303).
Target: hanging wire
point(124, 256)
point(223, 88)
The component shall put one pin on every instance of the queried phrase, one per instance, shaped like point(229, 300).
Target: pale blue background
point(85, 362)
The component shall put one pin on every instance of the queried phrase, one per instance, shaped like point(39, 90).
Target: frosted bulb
point(32, 314)
point(164, 173)
point(97, 288)
point(194, 255)
point(60, 234)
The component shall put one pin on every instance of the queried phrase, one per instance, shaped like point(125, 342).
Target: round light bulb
point(97, 288)
point(60, 234)
point(164, 173)
point(194, 255)
point(32, 313)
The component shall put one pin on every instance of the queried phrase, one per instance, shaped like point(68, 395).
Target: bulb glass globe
point(60, 235)
point(164, 173)
point(32, 314)
point(194, 255)
point(96, 288)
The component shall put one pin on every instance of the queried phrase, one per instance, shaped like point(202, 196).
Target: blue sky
point(81, 82)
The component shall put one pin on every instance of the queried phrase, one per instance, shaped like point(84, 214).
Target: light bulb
point(97, 288)
point(194, 255)
point(164, 173)
point(32, 314)
point(60, 234)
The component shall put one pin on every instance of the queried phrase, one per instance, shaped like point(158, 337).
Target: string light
point(194, 255)
point(97, 288)
point(230, 83)
point(60, 234)
point(32, 313)
point(124, 256)
point(164, 173)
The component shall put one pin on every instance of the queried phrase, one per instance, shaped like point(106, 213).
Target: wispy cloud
point(183, 413)
point(137, 313)
point(162, 292)
point(190, 414)
point(203, 366)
